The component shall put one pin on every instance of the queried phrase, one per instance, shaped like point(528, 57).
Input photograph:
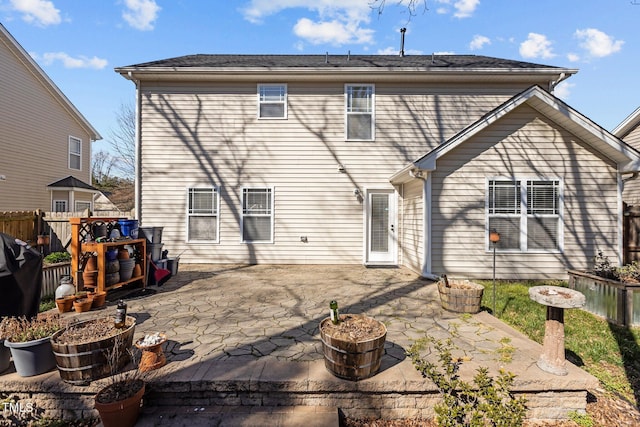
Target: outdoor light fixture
point(494, 237)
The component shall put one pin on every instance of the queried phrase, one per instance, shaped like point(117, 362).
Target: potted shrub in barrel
point(352, 344)
point(460, 296)
point(29, 341)
point(83, 350)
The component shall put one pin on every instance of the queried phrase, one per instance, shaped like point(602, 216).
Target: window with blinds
point(257, 215)
point(526, 213)
point(202, 213)
point(359, 112)
point(272, 101)
point(75, 153)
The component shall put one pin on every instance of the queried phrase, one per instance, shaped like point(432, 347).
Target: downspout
point(138, 153)
point(560, 79)
point(620, 218)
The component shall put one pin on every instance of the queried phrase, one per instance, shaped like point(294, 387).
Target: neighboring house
point(381, 160)
point(46, 142)
point(629, 132)
point(101, 202)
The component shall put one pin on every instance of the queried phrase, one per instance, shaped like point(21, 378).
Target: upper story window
point(75, 153)
point(202, 214)
point(272, 101)
point(526, 213)
point(359, 111)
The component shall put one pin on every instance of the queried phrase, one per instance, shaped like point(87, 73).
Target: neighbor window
point(257, 215)
point(359, 102)
point(272, 101)
point(82, 205)
point(59, 205)
point(75, 153)
point(202, 214)
point(526, 213)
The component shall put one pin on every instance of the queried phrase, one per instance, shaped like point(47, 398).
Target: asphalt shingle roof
point(72, 182)
point(340, 61)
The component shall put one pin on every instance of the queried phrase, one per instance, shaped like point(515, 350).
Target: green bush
point(56, 257)
point(488, 402)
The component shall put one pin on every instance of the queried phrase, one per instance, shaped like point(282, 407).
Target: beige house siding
point(631, 193)
point(34, 135)
point(411, 225)
point(523, 144)
point(209, 135)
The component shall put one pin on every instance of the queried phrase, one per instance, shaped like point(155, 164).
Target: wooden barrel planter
point(461, 296)
point(84, 362)
point(352, 358)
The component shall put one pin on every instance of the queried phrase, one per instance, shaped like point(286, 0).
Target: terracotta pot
point(137, 271)
point(123, 253)
point(89, 278)
point(64, 304)
point(81, 305)
point(92, 263)
point(122, 413)
point(98, 299)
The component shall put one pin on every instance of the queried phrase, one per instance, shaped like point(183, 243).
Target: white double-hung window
point(203, 214)
point(75, 153)
point(257, 215)
point(272, 101)
point(359, 112)
point(527, 213)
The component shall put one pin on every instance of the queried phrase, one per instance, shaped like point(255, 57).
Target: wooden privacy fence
point(27, 225)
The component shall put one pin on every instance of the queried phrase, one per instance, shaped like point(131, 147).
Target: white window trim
point(373, 111)
point(272, 215)
point(188, 215)
point(70, 153)
point(286, 101)
point(523, 214)
point(53, 207)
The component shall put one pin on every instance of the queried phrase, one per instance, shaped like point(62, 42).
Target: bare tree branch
point(411, 5)
point(122, 140)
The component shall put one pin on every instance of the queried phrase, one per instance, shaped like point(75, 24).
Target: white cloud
point(479, 42)
point(70, 62)
point(465, 8)
point(338, 21)
point(573, 57)
point(597, 43)
point(563, 90)
point(333, 32)
point(141, 14)
point(536, 46)
point(40, 12)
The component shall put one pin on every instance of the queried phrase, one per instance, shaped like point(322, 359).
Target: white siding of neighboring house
point(34, 134)
point(522, 144)
point(209, 135)
point(411, 225)
point(631, 193)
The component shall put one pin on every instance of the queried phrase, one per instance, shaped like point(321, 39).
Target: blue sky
point(78, 43)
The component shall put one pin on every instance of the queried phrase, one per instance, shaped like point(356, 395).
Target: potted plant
point(152, 356)
point(83, 350)
point(5, 353)
point(29, 341)
point(460, 296)
point(352, 344)
point(118, 403)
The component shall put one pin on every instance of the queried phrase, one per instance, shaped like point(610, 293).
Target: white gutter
point(138, 152)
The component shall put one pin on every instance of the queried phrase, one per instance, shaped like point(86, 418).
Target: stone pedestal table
point(556, 299)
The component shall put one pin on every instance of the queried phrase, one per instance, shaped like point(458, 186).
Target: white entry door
point(381, 227)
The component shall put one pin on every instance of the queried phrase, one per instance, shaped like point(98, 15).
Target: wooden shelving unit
point(83, 244)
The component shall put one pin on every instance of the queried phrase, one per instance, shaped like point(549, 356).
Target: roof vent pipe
point(326, 58)
point(402, 31)
point(348, 55)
